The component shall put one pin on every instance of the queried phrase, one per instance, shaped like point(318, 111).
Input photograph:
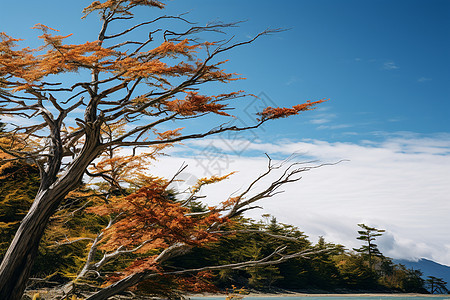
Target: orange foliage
point(123, 168)
point(24, 64)
point(147, 64)
point(283, 112)
point(130, 168)
point(168, 134)
point(149, 219)
point(209, 180)
point(120, 6)
point(194, 103)
point(231, 201)
point(31, 67)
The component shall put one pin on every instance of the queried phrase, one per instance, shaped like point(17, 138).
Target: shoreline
point(299, 294)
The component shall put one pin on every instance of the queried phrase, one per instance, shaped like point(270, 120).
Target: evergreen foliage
point(436, 285)
point(369, 234)
point(19, 183)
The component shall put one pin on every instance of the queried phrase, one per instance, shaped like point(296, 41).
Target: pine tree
point(436, 285)
point(370, 250)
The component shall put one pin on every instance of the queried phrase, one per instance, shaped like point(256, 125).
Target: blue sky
point(384, 64)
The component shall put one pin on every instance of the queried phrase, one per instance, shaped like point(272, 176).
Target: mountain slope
point(428, 267)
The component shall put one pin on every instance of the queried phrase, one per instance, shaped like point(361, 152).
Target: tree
point(148, 84)
point(403, 279)
point(245, 239)
point(413, 282)
point(436, 285)
point(369, 234)
point(354, 272)
point(152, 223)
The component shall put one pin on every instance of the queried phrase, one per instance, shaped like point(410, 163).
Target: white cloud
point(390, 65)
point(332, 127)
point(19, 120)
point(323, 118)
point(319, 121)
point(400, 185)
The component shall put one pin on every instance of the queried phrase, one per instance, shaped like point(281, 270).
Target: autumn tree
point(159, 228)
point(148, 84)
point(369, 235)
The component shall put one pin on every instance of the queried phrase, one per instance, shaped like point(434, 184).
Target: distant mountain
point(428, 268)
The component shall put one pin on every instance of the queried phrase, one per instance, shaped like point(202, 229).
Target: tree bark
point(119, 286)
point(16, 266)
point(18, 261)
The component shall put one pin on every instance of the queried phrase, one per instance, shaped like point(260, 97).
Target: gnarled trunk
point(18, 261)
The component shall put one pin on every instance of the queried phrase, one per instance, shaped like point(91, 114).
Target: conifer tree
point(370, 250)
point(436, 285)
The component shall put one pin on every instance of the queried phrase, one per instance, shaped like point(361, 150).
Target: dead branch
point(256, 231)
point(146, 23)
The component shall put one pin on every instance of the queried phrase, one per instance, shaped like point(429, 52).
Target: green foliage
point(18, 186)
point(19, 183)
point(329, 270)
point(370, 250)
point(57, 254)
point(436, 285)
point(354, 272)
point(402, 279)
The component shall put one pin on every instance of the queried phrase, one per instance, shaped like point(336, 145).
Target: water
point(443, 297)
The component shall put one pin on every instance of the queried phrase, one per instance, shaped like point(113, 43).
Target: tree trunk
point(119, 286)
point(18, 261)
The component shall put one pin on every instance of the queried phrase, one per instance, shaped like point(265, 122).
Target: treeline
point(331, 268)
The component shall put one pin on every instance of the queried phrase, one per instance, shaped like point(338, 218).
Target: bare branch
point(256, 231)
point(213, 27)
point(137, 277)
point(118, 142)
point(146, 23)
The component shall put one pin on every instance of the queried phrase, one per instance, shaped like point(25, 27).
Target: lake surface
point(443, 297)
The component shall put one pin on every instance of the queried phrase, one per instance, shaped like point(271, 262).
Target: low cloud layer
point(400, 184)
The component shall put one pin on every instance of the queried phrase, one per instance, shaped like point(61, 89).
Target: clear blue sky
point(384, 64)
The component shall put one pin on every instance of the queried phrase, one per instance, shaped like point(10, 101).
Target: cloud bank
point(400, 184)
